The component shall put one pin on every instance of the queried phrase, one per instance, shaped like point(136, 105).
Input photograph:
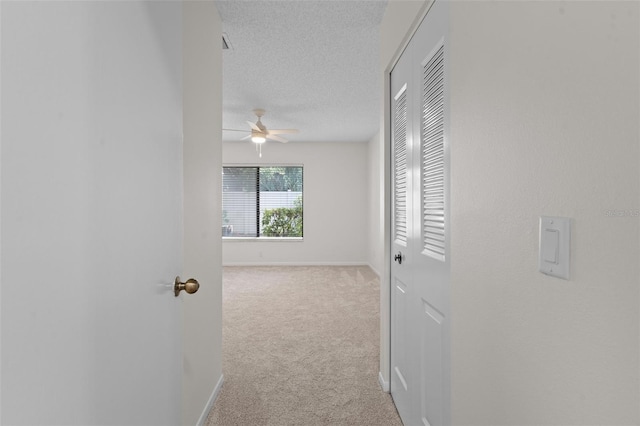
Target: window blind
point(262, 201)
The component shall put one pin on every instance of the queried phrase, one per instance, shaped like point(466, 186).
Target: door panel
point(402, 374)
point(91, 212)
point(432, 255)
point(431, 126)
point(400, 334)
point(431, 366)
point(421, 353)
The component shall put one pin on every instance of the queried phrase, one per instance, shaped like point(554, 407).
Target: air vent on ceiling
point(226, 44)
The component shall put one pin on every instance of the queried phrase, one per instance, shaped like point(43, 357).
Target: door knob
point(190, 286)
point(398, 258)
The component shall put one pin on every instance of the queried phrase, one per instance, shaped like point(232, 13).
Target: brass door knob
point(190, 286)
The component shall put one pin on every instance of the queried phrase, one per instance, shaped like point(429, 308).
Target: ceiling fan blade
point(282, 131)
point(276, 138)
point(236, 130)
point(254, 126)
point(246, 137)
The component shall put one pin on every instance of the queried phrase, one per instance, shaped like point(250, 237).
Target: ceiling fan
point(259, 132)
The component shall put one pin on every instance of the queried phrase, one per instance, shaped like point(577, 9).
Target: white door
point(420, 285)
point(402, 375)
point(91, 213)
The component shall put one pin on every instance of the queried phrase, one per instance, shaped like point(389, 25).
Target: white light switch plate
point(555, 246)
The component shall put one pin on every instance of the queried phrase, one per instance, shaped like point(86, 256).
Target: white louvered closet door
point(402, 371)
point(420, 315)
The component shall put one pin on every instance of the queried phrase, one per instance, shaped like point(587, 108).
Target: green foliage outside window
point(283, 221)
point(243, 179)
point(281, 179)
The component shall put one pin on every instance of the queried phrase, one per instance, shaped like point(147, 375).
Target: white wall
point(375, 227)
point(544, 122)
point(335, 204)
point(202, 71)
point(0, 213)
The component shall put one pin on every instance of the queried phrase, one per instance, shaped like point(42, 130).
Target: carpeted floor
point(301, 348)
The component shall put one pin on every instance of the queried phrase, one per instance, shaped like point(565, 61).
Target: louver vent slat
point(432, 157)
point(400, 168)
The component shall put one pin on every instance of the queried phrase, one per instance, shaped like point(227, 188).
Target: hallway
point(300, 346)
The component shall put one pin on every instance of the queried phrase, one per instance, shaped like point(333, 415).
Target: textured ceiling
point(313, 65)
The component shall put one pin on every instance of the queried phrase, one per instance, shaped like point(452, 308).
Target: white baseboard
point(363, 263)
point(210, 402)
point(384, 385)
point(375, 271)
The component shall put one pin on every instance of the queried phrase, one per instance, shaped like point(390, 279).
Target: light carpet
point(301, 347)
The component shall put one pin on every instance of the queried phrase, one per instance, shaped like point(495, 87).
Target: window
point(260, 202)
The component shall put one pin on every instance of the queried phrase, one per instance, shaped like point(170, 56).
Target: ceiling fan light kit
point(259, 133)
point(258, 137)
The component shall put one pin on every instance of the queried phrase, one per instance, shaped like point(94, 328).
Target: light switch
point(555, 243)
point(550, 241)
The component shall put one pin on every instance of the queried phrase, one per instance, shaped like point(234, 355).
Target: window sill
point(265, 239)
